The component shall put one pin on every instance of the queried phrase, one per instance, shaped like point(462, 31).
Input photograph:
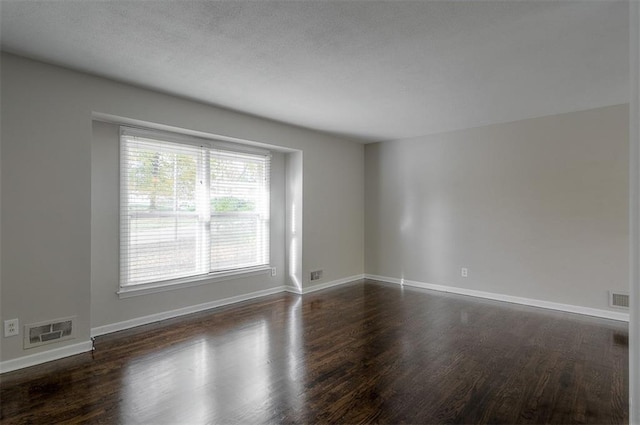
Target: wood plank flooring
point(366, 352)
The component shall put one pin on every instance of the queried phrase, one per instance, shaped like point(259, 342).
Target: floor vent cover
point(618, 299)
point(37, 334)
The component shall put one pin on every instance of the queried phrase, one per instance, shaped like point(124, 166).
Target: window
point(190, 208)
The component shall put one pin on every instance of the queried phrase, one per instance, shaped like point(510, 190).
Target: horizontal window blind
point(189, 210)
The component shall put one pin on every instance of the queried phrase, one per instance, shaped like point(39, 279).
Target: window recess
point(190, 208)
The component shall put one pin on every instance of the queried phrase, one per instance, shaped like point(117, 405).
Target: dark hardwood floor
point(361, 353)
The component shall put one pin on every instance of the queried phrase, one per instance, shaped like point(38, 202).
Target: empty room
point(319, 212)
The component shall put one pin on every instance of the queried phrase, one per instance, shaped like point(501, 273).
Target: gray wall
point(536, 208)
point(47, 195)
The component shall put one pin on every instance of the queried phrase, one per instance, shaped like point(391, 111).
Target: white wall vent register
point(57, 330)
point(618, 299)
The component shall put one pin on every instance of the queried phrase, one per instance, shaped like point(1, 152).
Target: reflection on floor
point(360, 353)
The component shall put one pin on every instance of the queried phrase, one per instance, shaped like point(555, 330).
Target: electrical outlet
point(316, 275)
point(274, 272)
point(11, 327)
point(464, 272)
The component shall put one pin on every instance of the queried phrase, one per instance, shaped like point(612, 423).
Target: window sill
point(170, 285)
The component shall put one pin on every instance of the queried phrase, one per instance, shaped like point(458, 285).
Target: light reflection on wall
point(424, 228)
point(406, 229)
point(436, 234)
point(293, 250)
point(294, 201)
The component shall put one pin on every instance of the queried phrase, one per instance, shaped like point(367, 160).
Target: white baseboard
point(145, 320)
point(293, 290)
point(45, 356)
point(114, 327)
point(383, 278)
point(70, 350)
point(321, 286)
point(615, 315)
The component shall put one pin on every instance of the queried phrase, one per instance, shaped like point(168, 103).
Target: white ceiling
point(372, 70)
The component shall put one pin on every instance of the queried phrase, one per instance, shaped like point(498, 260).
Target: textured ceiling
point(365, 69)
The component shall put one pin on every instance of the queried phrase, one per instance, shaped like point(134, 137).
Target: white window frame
point(210, 145)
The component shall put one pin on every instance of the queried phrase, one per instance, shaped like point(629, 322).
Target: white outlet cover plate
point(11, 327)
